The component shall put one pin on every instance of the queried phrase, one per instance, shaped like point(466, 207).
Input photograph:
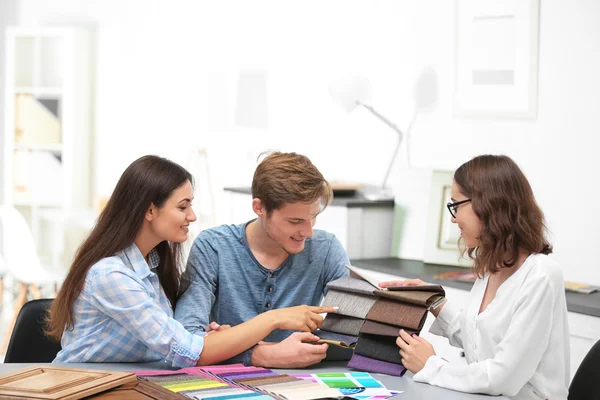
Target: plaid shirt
point(123, 315)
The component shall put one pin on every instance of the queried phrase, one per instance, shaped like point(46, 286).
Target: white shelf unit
point(48, 130)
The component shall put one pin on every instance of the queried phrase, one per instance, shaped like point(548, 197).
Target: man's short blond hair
point(282, 178)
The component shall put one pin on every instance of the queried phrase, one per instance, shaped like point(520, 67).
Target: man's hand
point(214, 327)
point(290, 353)
point(415, 351)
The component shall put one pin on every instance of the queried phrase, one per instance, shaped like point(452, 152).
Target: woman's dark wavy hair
point(511, 219)
point(148, 180)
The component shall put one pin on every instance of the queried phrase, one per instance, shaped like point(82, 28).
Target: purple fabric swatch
point(363, 363)
point(249, 373)
point(243, 376)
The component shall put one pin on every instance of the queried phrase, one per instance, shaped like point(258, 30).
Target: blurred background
point(88, 86)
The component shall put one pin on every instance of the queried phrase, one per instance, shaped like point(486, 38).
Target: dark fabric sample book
point(376, 316)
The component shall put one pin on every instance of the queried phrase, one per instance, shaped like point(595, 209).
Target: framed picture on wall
point(496, 58)
point(441, 243)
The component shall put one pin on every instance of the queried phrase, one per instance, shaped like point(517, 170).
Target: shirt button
point(270, 289)
point(268, 305)
point(271, 275)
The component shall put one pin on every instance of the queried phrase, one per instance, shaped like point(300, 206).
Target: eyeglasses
point(453, 207)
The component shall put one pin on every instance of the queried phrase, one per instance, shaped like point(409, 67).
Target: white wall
point(166, 76)
point(8, 16)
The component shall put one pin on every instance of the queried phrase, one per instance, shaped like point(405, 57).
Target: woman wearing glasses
point(513, 328)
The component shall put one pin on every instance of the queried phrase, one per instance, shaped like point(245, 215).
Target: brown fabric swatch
point(350, 304)
point(379, 328)
point(414, 297)
point(401, 314)
point(342, 324)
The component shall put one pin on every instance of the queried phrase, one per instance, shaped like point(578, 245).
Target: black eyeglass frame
point(455, 206)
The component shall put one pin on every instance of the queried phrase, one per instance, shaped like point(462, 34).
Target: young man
point(277, 260)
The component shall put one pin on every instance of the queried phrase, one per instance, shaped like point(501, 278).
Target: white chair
point(21, 261)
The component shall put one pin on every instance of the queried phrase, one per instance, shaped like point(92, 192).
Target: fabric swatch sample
point(273, 387)
point(257, 375)
point(352, 285)
point(229, 393)
point(212, 392)
point(192, 385)
point(363, 363)
point(395, 313)
point(379, 328)
point(315, 392)
point(424, 299)
point(363, 274)
point(335, 353)
point(180, 382)
point(378, 347)
point(169, 378)
point(265, 380)
point(337, 343)
point(350, 304)
point(342, 324)
point(322, 334)
point(249, 373)
point(289, 387)
point(439, 289)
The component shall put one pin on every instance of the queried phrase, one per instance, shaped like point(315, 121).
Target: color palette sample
point(236, 381)
point(358, 385)
point(270, 383)
point(195, 384)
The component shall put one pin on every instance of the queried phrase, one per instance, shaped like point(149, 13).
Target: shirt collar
point(137, 261)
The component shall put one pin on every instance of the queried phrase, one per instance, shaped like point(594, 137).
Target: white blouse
point(518, 346)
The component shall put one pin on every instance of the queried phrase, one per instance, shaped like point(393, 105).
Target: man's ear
point(150, 213)
point(258, 208)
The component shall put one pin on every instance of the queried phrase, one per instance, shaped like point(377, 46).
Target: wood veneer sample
point(59, 383)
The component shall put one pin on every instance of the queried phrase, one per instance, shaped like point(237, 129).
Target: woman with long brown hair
point(513, 328)
point(116, 304)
